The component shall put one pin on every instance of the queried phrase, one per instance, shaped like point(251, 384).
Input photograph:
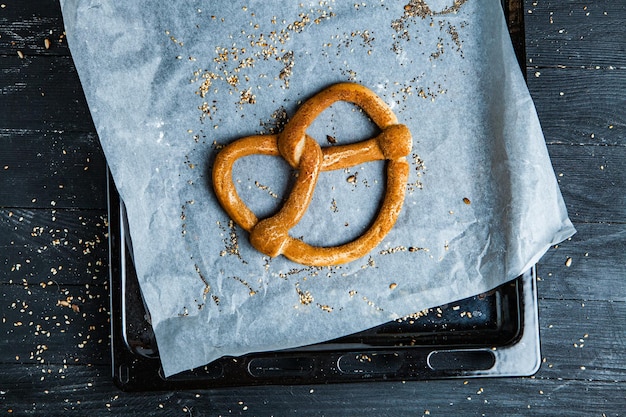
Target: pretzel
point(271, 235)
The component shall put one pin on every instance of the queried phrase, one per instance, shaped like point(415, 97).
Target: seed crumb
point(305, 296)
point(325, 307)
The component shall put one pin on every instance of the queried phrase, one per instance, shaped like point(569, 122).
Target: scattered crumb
point(251, 291)
point(325, 307)
point(305, 296)
point(266, 189)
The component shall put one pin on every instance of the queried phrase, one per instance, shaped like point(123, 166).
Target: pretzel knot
point(271, 235)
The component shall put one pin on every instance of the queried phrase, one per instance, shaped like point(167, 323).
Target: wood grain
point(580, 107)
point(597, 269)
point(591, 180)
point(69, 247)
point(84, 390)
point(51, 169)
point(577, 342)
point(576, 33)
point(25, 25)
point(54, 324)
point(42, 93)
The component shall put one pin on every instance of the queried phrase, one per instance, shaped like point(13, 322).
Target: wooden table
point(54, 349)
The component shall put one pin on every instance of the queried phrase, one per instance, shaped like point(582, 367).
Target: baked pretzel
point(271, 235)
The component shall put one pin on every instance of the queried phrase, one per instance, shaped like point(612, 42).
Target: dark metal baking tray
point(491, 334)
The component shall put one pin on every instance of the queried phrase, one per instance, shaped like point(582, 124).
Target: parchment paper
point(169, 83)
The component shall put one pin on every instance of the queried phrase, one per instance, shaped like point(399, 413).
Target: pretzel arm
point(346, 156)
point(392, 143)
point(223, 184)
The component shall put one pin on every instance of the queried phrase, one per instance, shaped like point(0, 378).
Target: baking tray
point(490, 334)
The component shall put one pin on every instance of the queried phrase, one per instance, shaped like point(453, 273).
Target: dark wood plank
point(592, 181)
point(51, 390)
point(51, 169)
point(67, 247)
point(576, 33)
point(54, 324)
point(583, 340)
point(580, 106)
point(25, 25)
point(597, 267)
point(54, 285)
point(42, 93)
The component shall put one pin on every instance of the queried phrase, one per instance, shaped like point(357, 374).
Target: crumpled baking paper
point(170, 83)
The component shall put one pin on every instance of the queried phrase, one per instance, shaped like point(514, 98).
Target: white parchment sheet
point(170, 83)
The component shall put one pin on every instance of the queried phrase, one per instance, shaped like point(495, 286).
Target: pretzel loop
point(290, 141)
point(271, 235)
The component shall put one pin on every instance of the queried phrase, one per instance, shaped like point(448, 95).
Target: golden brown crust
point(271, 236)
